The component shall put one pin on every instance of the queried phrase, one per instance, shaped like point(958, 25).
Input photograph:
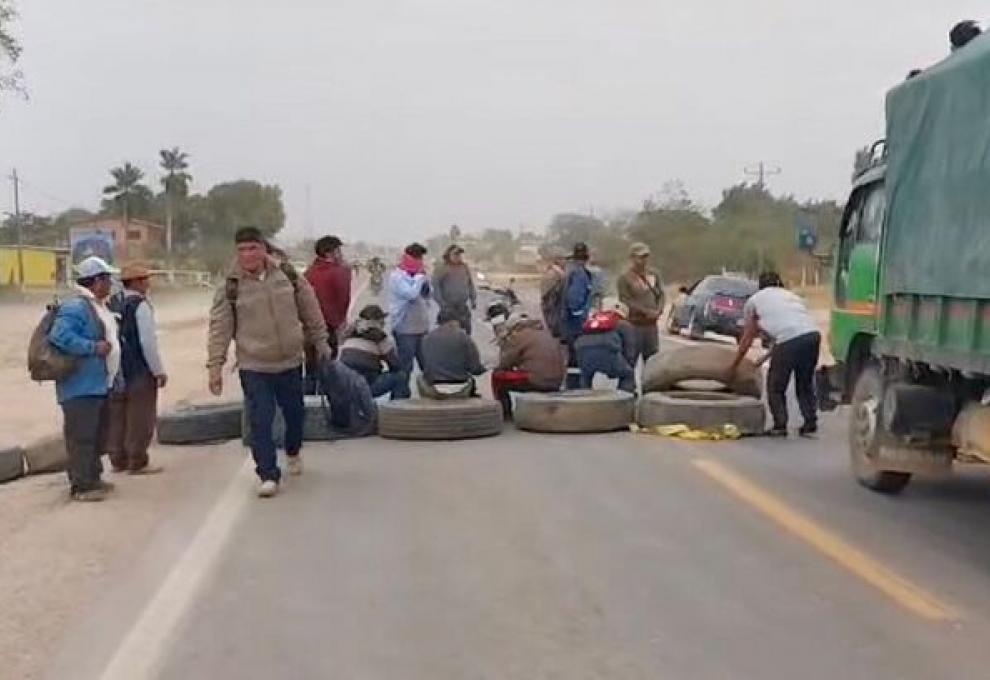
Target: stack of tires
point(666, 402)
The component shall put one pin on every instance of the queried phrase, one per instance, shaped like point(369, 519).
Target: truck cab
point(854, 320)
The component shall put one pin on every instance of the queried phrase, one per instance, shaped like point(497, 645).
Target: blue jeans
point(600, 360)
point(394, 382)
point(262, 391)
point(409, 348)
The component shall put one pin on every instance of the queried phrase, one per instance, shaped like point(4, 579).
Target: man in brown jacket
point(269, 311)
point(641, 290)
point(530, 360)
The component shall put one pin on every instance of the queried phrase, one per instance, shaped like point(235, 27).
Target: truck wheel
point(200, 424)
point(865, 425)
point(574, 411)
point(702, 411)
point(428, 420)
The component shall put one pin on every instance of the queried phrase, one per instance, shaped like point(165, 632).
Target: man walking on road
point(641, 290)
point(86, 329)
point(796, 341)
point(134, 409)
point(453, 287)
point(268, 311)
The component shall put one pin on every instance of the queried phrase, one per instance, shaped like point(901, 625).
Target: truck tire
point(200, 424)
point(315, 425)
point(865, 435)
point(664, 371)
point(11, 463)
point(428, 420)
point(702, 411)
point(574, 411)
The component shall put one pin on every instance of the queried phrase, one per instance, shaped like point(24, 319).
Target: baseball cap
point(92, 267)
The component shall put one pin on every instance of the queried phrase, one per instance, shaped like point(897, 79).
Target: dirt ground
point(54, 556)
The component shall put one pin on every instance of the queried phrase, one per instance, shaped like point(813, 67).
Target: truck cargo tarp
point(938, 179)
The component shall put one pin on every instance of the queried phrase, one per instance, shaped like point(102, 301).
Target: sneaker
point(148, 470)
point(295, 465)
point(91, 496)
point(267, 488)
point(776, 432)
point(808, 430)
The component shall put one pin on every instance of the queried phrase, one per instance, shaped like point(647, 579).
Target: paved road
point(526, 556)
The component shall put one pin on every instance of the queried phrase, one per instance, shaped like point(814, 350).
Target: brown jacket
point(272, 322)
point(643, 297)
point(531, 348)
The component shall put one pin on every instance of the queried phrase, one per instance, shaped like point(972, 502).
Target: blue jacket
point(408, 303)
point(578, 287)
point(76, 331)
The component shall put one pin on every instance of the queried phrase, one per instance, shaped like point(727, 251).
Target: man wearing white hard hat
point(86, 329)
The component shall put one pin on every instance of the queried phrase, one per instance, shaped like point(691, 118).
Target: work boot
point(90, 496)
point(267, 488)
point(776, 432)
point(295, 465)
point(148, 470)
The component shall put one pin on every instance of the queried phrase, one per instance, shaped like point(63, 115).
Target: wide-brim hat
point(135, 270)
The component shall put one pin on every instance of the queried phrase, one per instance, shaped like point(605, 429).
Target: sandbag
point(664, 371)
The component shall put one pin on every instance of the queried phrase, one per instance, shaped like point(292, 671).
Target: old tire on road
point(574, 411)
point(664, 371)
point(709, 411)
point(865, 435)
point(200, 423)
point(429, 420)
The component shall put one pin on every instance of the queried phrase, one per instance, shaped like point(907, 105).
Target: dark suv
point(715, 303)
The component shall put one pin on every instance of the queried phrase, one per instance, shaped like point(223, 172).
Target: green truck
point(910, 322)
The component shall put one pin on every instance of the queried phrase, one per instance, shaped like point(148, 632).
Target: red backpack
point(602, 322)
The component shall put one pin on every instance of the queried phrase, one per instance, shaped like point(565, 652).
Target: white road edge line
point(141, 652)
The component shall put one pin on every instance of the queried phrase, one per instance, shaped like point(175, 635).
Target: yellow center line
point(833, 546)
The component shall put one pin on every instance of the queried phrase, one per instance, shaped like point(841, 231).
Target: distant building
point(43, 267)
point(113, 239)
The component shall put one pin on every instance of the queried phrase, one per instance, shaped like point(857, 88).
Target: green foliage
point(215, 218)
point(127, 196)
point(11, 78)
point(176, 181)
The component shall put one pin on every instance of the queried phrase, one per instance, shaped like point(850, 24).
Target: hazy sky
point(406, 116)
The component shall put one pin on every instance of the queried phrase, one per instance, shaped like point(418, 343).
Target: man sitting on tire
point(606, 346)
point(368, 350)
point(530, 360)
point(450, 357)
point(783, 316)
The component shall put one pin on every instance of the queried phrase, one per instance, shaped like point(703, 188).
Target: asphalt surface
point(541, 556)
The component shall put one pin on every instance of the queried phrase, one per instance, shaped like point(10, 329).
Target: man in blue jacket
point(85, 328)
point(577, 301)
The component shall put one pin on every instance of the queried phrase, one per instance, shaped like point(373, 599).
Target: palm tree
point(176, 182)
point(127, 192)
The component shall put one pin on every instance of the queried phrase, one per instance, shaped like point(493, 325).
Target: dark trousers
point(395, 383)
point(262, 391)
point(313, 361)
point(800, 357)
point(84, 431)
point(594, 360)
point(131, 423)
point(647, 341)
point(462, 312)
point(573, 379)
point(410, 350)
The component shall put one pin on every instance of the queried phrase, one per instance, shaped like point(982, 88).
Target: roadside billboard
point(88, 241)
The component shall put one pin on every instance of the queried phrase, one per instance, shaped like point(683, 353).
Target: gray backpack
point(45, 361)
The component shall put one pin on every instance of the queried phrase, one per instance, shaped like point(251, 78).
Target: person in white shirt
point(783, 316)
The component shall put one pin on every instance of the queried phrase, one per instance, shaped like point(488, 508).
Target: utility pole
point(20, 230)
point(761, 172)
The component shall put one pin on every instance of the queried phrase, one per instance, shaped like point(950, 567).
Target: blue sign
point(807, 235)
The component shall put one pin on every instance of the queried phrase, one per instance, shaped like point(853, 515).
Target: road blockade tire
point(200, 424)
point(429, 420)
point(11, 463)
point(664, 371)
point(574, 411)
point(709, 411)
point(315, 425)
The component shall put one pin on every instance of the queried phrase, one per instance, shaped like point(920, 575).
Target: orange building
point(122, 242)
